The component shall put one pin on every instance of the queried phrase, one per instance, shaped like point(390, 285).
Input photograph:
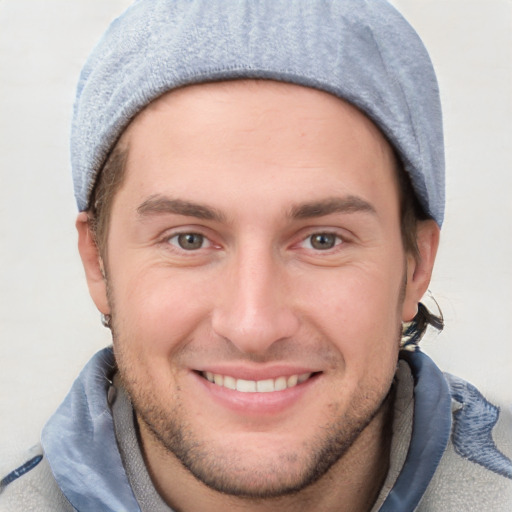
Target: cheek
point(156, 310)
point(358, 309)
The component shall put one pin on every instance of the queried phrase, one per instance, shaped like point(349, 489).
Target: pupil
point(190, 241)
point(323, 241)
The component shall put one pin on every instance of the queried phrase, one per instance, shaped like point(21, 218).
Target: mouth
point(257, 386)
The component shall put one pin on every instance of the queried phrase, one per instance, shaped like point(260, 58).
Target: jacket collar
point(80, 444)
point(430, 432)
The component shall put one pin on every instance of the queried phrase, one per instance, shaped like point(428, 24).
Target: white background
point(48, 325)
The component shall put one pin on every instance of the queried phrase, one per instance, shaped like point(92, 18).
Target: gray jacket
point(451, 450)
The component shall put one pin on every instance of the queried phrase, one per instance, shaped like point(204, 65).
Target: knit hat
point(362, 51)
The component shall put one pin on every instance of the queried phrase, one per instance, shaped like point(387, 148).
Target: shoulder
point(476, 468)
point(482, 430)
point(29, 485)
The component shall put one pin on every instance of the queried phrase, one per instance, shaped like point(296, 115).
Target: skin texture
point(257, 170)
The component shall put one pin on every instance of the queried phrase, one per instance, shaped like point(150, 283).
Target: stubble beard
point(226, 470)
point(227, 473)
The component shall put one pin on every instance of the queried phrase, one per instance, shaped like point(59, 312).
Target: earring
point(106, 320)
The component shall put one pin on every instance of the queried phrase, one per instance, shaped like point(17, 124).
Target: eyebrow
point(349, 204)
point(158, 204)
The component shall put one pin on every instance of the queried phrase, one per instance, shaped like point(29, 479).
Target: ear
point(419, 270)
point(93, 264)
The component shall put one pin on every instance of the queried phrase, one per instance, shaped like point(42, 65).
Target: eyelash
point(306, 243)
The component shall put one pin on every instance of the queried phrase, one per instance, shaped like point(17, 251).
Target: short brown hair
point(109, 181)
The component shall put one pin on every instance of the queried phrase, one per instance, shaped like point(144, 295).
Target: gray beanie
point(360, 50)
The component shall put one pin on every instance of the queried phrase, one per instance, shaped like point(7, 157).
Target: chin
point(254, 465)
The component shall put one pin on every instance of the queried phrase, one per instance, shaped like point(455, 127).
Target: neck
point(351, 485)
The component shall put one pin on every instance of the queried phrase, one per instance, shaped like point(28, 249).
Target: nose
point(254, 309)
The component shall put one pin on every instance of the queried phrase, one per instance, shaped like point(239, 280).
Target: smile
point(256, 386)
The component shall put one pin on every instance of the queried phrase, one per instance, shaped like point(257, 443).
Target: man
point(261, 191)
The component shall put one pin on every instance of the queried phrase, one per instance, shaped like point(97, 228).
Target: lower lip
point(256, 403)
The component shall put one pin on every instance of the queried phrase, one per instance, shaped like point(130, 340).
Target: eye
point(189, 241)
point(322, 241)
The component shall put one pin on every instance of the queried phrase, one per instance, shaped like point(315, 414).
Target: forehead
point(255, 100)
point(265, 132)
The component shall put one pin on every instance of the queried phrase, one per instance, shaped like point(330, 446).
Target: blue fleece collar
point(79, 439)
point(80, 444)
point(430, 433)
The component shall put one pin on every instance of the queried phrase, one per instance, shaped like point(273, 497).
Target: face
point(257, 281)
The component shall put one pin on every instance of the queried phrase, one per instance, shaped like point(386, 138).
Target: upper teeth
point(256, 386)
